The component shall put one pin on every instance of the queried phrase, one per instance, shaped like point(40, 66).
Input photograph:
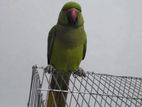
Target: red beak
point(72, 15)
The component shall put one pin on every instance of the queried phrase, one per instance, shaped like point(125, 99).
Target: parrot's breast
point(71, 37)
point(68, 46)
point(64, 58)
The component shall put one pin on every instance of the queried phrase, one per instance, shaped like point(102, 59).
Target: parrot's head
point(71, 15)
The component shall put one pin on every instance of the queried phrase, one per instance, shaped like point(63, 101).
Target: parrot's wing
point(84, 49)
point(51, 38)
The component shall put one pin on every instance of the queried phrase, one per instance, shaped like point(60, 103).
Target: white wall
point(114, 29)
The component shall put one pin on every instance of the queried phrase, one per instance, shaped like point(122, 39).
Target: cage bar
point(94, 90)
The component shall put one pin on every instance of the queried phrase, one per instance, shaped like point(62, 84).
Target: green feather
point(63, 20)
point(50, 42)
point(66, 50)
point(71, 4)
point(67, 43)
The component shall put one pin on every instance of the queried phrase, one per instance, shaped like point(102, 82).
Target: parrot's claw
point(79, 72)
point(49, 69)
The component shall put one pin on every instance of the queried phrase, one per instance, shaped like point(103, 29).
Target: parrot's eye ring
point(78, 9)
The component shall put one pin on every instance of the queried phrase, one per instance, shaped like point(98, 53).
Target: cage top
point(94, 90)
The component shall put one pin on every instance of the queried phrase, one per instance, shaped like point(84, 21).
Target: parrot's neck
point(70, 26)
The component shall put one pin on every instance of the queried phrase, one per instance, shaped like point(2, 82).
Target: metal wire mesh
point(94, 90)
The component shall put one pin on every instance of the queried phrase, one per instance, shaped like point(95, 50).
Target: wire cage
point(94, 90)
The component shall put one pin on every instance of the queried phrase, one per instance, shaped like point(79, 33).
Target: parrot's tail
point(58, 82)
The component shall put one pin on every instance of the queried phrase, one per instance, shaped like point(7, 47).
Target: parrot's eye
point(66, 9)
point(78, 9)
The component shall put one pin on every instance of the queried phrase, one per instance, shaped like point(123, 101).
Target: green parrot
point(66, 49)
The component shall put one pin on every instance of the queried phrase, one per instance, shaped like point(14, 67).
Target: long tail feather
point(58, 82)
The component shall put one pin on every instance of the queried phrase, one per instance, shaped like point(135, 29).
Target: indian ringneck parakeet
point(66, 49)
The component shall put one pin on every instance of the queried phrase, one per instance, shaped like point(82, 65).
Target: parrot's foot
point(49, 69)
point(79, 72)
